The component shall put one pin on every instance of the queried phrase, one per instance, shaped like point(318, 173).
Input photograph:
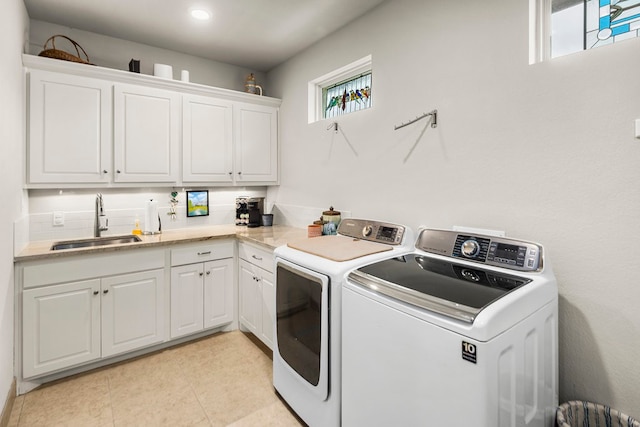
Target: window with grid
point(347, 96)
point(568, 26)
point(341, 91)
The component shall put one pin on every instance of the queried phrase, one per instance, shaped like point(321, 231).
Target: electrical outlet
point(58, 218)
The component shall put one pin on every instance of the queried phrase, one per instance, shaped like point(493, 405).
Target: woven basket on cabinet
point(61, 54)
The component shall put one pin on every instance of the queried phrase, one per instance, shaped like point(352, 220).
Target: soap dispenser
point(137, 231)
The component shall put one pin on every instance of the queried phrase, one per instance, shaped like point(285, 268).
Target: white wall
point(545, 152)
point(116, 53)
point(13, 33)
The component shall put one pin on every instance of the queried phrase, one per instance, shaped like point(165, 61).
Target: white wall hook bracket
point(333, 126)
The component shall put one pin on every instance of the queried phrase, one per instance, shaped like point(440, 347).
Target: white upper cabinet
point(256, 143)
point(146, 134)
point(95, 127)
point(207, 143)
point(69, 129)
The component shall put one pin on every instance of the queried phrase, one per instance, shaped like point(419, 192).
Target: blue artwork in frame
point(197, 203)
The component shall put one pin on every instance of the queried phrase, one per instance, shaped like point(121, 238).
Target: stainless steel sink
point(96, 241)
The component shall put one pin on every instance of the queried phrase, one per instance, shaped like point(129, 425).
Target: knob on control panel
point(470, 248)
point(367, 230)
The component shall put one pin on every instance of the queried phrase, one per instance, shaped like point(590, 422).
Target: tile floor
point(222, 380)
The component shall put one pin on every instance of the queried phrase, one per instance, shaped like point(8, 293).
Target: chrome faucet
point(101, 222)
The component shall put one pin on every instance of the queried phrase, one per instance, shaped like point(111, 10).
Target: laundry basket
point(577, 413)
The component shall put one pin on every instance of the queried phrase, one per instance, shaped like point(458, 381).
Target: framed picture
point(197, 203)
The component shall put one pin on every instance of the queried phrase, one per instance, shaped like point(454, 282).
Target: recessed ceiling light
point(200, 14)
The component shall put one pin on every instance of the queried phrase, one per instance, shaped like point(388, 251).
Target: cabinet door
point(60, 326)
point(69, 129)
point(268, 294)
point(207, 142)
point(146, 134)
point(218, 292)
point(256, 141)
point(132, 311)
point(186, 299)
point(249, 295)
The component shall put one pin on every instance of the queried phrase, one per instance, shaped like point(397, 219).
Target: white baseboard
point(8, 405)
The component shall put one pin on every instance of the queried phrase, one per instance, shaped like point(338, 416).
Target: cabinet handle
point(106, 291)
point(105, 171)
point(96, 292)
point(204, 253)
point(230, 173)
point(239, 173)
point(201, 274)
point(208, 272)
point(259, 258)
point(118, 170)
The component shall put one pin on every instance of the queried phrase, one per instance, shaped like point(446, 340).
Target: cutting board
point(338, 248)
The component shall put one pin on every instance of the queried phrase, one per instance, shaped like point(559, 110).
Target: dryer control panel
point(498, 251)
point(374, 231)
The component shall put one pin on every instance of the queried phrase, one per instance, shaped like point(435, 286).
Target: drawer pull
point(204, 253)
point(259, 258)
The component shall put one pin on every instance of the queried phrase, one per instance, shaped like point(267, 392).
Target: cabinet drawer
point(263, 258)
point(201, 252)
point(75, 268)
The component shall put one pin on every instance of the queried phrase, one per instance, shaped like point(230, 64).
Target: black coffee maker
point(255, 206)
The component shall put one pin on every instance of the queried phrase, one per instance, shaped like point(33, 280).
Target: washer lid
point(451, 289)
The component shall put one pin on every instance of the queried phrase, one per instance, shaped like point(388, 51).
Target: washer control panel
point(374, 231)
point(497, 251)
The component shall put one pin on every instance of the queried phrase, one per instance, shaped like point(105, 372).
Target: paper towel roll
point(151, 220)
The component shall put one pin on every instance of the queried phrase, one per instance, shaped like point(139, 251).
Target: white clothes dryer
point(307, 345)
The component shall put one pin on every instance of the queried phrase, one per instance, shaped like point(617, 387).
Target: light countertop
point(268, 237)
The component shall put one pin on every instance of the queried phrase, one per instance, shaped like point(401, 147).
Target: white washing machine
point(309, 278)
point(461, 332)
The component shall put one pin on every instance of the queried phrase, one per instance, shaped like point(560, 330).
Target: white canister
point(184, 75)
point(163, 70)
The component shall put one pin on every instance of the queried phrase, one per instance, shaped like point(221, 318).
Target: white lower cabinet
point(257, 292)
point(61, 326)
point(268, 289)
point(84, 308)
point(66, 324)
point(202, 294)
point(132, 311)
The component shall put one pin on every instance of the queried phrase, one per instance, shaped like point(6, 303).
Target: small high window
point(342, 91)
point(568, 26)
point(346, 97)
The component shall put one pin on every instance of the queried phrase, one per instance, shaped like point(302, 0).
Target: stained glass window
point(584, 24)
point(347, 96)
